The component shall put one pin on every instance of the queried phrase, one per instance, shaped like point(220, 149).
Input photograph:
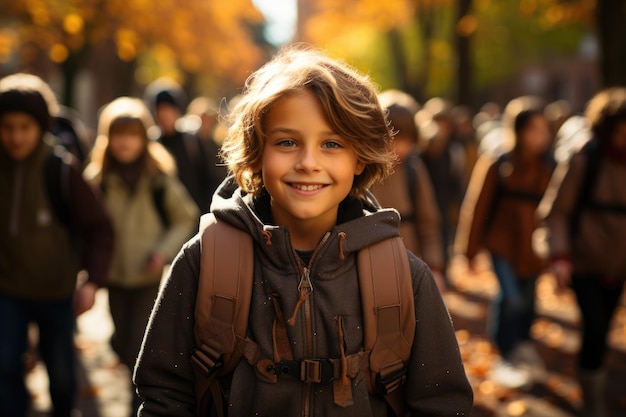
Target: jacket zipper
point(14, 220)
point(306, 285)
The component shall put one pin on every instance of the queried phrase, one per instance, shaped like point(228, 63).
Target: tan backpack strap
point(388, 315)
point(223, 300)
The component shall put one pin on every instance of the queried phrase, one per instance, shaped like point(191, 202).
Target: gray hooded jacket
point(436, 383)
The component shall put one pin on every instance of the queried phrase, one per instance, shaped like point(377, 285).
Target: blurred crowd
point(533, 185)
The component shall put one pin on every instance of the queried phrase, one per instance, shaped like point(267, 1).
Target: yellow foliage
point(58, 53)
point(467, 25)
point(213, 37)
point(73, 23)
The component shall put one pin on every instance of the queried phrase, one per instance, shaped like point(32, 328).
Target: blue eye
point(332, 145)
point(287, 143)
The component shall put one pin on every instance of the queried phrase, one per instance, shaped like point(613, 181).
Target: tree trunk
point(426, 21)
point(396, 47)
point(464, 67)
point(611, 16)
point(71, 66)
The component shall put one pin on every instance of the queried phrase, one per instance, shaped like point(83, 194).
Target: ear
point(360, 167)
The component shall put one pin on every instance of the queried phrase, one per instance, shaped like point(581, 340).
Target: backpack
point(223, 306)
point(158, 200)
point(57, 184)
point(504, 192)
point(593, 151)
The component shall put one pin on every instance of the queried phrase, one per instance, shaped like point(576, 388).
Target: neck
point(305, 238)
point(305, 234)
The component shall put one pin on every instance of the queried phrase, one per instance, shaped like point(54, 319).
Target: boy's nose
point(308, 160)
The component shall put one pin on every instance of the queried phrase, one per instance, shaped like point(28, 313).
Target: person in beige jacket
point(153, 215)
point(584, 214)
point(409, 188)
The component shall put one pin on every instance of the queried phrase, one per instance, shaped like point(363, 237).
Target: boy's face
point(19, 134)
point(307, 168)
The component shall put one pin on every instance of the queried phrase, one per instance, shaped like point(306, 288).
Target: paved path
point(556, 337)
point(104, 384)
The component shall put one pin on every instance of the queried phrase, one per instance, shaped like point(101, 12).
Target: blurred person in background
point(557, 112)
point(53, 226)
point(152, 213)
point(409, 189)
point(498, 216)
point(204, 111)
point(445, 162)
point(72, 133)
point(167, 100)
point(465, 135)
point(584, 214)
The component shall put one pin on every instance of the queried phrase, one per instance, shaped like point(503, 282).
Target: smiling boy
point(307, 140)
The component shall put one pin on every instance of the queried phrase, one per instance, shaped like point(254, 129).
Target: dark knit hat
point(165, 90)
point(167, 98)
point(24, 99)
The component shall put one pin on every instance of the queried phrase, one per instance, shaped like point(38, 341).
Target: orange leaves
point(213, 37)
point(334, 17)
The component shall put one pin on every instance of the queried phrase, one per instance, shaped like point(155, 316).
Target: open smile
point(306, 187)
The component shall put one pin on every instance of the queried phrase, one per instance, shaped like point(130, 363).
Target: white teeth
point(305, 187)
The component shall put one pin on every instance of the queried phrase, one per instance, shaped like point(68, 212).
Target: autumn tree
point(212, 38)
point(452, 48)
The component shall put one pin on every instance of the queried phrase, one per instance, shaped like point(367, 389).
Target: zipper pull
point(304, 288)
point(305, 281)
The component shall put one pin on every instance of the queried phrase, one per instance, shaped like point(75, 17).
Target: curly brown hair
point(349, 102)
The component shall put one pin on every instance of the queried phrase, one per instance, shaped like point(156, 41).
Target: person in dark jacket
point(39, 257)
point(166, 99)
point(204, 115)
point(445, 162)
point(584, 214)
point(316, 140)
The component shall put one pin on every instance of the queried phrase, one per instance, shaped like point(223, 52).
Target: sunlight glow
point(281, 16)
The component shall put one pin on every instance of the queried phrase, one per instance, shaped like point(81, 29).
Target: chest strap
point(317, 371)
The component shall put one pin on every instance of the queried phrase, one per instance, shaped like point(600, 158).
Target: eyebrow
point(282, 130)
point(295, 131)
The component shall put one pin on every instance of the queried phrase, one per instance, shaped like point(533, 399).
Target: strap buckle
point(206, 360)
point(315, 371)
point(391, 380)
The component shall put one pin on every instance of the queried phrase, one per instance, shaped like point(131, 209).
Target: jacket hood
point(361, 222)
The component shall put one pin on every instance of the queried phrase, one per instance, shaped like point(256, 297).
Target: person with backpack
point(409, 189)
point(152, 213)
point(307, 139)
point(498, 216)
point(54, 226)
point(584, 215)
